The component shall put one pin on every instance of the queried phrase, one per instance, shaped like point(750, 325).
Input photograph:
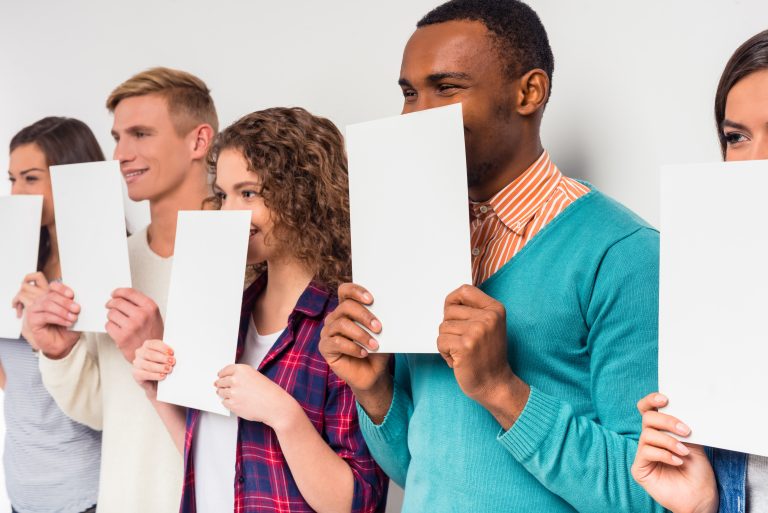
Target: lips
point(131, 175)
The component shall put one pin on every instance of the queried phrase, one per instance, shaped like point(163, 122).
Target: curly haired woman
point(294, 430)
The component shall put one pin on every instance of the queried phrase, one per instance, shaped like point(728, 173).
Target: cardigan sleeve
point(388, 441)
point(587, 461)
point(74, 382)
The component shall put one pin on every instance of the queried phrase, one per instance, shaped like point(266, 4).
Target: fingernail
point(676, 460)
point(167, 368)
point(73, 307)
point(682, 428)
point(373, 344)
point(659, 399)
point(367, 297)
point(682, 449)
point(363, 352)
point(375, 324)
point(71, 316)
point(171, 360)
point(169, 351)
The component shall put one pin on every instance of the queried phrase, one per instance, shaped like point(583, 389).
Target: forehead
point(232, 168)
point(146, 110)
point(749, 97)
point(464, 46)
point(27, 156)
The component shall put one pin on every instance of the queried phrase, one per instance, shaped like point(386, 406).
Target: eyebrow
point(437, 77)
point(732, 124)
point(134, 129)
point(24, 172)
point(240, 185)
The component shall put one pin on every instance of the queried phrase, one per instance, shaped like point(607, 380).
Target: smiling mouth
point(131, 176)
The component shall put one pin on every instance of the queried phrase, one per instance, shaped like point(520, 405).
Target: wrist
point(506, 399)
point(376, 400)
point(287, 417)
point(57, 354)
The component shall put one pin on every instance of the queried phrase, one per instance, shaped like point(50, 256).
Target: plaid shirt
point(263, 481)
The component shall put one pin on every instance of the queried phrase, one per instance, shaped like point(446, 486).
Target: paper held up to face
point(409, 221)
point(20, 236)
point(713, 342)
point(93, 246)
point(204, 302)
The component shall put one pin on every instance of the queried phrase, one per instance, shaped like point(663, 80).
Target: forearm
point(175, 419)
point(325, 480)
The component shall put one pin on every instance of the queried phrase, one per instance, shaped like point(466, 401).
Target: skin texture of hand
point(33, 286)
point(366, 373)
point(153, 362)
point(678, 476)
point(48, 319)
point(250, 395)
point(473, 342)
point(132, 319)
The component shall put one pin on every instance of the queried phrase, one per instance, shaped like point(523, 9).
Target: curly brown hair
point(302, 165)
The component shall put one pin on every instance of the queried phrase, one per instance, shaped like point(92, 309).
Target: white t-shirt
point(214, 447)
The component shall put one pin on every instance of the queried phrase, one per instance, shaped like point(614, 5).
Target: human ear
point(202, 137)
point(533, 92)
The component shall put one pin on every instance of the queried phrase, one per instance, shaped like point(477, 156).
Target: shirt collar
point(311, 302)
point(516, 204)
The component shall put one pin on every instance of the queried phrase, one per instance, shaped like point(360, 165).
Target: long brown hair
point(302, 164)
point(749, 57)
point(62, 141)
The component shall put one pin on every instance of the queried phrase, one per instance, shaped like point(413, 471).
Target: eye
point(220, 195)
point(11, 179)
point(734, 138)
point(30, 179)
point(140, 134)
point(446, 88)
point(409, 94)
point(247, 194)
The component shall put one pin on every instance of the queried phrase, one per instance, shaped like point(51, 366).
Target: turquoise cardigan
point(582, 312)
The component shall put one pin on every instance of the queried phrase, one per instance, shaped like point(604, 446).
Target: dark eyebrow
point(22, 173)
point(732, 124)
point(404, 82)
point(456, 75)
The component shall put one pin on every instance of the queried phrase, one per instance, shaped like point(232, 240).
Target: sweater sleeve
point(587, 461)
point(74, 382)
point(388, 441)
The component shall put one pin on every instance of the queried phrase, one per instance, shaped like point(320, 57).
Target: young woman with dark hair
point(688, 477)
point(51, 462)
point(293, 443)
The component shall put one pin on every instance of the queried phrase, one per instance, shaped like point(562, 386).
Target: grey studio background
point(633, 87)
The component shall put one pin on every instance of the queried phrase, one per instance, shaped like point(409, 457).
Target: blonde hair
point(189, 99)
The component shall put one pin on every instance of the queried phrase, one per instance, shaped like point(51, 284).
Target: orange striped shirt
point(501, 226)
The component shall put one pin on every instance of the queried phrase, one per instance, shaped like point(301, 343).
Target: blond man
point(164, 122)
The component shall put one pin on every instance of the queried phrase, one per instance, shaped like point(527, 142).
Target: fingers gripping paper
point(93, 246)
point(409, 221)
point(713, 302)
point(204, 301)
point(20, 238)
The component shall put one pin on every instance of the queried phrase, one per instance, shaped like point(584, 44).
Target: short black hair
point(522, 40)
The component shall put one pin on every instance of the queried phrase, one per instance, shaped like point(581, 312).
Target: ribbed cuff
point(395, 421)
point(533, 426)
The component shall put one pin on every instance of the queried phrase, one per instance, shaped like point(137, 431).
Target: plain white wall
point(633, 84)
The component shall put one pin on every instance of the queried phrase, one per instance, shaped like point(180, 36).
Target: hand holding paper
point(48, 323)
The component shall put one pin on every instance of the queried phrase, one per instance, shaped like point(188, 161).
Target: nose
point(123, 151)
point(759, 148)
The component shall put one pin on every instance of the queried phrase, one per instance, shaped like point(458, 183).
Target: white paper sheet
point(204, 302)
point(409, 221)
point(713, 346)
point(19, 237)
point(93, 247)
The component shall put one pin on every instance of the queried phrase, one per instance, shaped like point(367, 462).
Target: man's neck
point(519, 164)
point(161, 233)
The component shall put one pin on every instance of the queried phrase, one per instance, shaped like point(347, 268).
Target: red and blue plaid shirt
point(263, 481)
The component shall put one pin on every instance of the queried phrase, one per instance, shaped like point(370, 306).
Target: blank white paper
point(20, 237)
point(204, 302)
point(713, 346)
point(93, 246)
point(409, 221)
